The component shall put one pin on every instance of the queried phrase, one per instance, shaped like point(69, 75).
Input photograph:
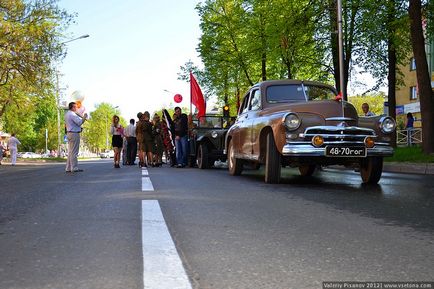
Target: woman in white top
point(13, 143)
point(117, 132)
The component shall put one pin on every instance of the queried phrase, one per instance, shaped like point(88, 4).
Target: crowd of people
point(151, 139)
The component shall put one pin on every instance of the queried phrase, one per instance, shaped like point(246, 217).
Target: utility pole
point(46, 140)
point(58, 114)
point(58, 99)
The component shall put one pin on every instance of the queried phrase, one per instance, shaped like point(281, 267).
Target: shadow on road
point(398, 200)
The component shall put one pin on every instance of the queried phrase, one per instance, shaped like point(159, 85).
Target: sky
point(133, 53)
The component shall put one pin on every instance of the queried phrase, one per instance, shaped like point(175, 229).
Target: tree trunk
point(422, 73)
point(391, 56)
point(332, 5)
point(264, 66)
point(288, 67)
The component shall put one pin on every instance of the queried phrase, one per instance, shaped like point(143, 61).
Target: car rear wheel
point(306, 170)
point(272, 161)
point(235, 165)
point(371, 169)
point(203, 161)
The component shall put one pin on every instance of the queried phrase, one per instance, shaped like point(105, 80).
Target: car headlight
point(387, 124)
point(292, 121)
point(214, 134)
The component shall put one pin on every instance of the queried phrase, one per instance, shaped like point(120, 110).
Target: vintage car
point(207, 140)
point(303, 124)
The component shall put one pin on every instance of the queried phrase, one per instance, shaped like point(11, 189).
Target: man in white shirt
point(366, 111)
point(73, 122)
point(13, 143)
point(130, 134)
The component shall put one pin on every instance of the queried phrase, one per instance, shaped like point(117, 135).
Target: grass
point(410, 154)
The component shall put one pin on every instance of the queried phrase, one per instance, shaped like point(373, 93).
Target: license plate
point(334, 151)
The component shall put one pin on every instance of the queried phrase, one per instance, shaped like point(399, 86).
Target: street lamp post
point(80, 37)
point(58, 97)
point(58, 115)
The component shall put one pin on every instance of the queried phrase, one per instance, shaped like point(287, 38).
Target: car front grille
point(336, 134)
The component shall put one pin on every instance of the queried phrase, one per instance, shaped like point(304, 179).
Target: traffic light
point(226, 110)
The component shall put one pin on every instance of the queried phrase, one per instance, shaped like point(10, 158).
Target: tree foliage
point(30, 42)
point(96, 131)
point(246, 41)
point(375, 101)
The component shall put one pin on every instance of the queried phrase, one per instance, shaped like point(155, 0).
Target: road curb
point(410, 168)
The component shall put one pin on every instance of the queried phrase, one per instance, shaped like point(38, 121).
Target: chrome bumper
point(307, 150)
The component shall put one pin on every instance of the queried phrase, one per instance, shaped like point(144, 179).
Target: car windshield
point(295, 93)
point(210, 122)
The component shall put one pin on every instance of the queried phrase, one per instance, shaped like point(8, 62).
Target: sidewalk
point(409, 168)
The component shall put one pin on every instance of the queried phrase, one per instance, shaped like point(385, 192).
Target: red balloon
point(177, 98)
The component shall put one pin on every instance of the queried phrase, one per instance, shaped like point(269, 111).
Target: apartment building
point(407, 95)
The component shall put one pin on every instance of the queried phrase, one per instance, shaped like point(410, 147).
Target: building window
point(412, 64)
point(413, 93)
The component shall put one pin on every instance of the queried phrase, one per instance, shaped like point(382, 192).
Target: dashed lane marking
point(146, 181)
point(162, 266)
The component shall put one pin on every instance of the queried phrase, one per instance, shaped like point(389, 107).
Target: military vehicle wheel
point(203, 161)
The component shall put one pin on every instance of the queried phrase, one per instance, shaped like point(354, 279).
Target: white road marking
point(145, 172)
point(147, 184)
point(162, 267)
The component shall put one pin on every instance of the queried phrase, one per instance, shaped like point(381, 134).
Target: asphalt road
point(83, 230)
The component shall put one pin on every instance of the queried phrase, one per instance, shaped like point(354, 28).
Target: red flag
point(339, 97)
point(196, 96)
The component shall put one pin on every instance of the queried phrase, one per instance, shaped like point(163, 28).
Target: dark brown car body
point(261, 134)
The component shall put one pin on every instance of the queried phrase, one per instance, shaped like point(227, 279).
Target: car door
point(238, 126)
point(249, 115)
point(244, 127)
point(255, 122)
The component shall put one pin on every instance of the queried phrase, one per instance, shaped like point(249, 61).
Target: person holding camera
point(73, 123)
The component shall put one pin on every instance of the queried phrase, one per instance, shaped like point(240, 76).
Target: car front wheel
point(235, 165)
point(272, 161)
point(371, 169)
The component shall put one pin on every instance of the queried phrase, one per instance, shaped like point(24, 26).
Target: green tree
point(423, 80)
point(96, 131)
point(375, 101)
point(244, 42)
point(30, 41)
point(30, 117)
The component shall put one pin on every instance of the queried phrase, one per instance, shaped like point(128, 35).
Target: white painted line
point(147, 184)
point(162, 267)
point(145, 172)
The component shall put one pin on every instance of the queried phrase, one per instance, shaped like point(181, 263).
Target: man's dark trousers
point(131, 150)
